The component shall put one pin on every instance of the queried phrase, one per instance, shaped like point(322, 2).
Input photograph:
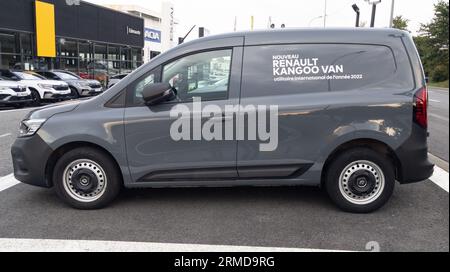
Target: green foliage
point(440, 73)
point(400, 23)
point(442, 84)
point(433, 43)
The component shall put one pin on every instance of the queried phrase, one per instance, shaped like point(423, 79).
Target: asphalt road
point(9, 125)
point(416, 218)
point(439, 123)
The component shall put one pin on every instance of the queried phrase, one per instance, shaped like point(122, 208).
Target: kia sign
point(152, 35)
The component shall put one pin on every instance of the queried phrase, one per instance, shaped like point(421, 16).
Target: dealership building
point(159, 26)
point(87, 39)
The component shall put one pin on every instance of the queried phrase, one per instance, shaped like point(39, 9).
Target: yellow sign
point(45, 29)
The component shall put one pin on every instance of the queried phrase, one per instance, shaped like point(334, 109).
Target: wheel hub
point(361, 182)
point(84, 180)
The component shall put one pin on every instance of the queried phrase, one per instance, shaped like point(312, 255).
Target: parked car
point(113, 80)
point(350, 112)
point(41, 88)
point(14, 94)
point(79, 87)
point(97, 70)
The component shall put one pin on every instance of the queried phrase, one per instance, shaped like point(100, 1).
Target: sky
point(219, 15)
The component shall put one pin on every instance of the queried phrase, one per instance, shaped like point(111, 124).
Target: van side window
point(205, 75)
point(139, 89)
point(136, 97)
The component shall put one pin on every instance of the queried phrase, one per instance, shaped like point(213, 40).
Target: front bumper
point(55, 96)
point(30, 156)
point(91, 92)
point(413, 158)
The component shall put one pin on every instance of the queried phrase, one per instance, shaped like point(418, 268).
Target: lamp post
point(356, 9)
point(181, 39)
point(391, 20)
point(374, 4)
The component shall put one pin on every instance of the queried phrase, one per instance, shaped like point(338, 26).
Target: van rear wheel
point(86, 178)
point(360, 180)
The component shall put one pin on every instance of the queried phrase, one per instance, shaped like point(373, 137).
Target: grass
point(443, 84)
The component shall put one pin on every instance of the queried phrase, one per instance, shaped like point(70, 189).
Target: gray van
point(351, 118)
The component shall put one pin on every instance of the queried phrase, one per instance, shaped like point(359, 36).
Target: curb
point(438, 161)
point(438, 88)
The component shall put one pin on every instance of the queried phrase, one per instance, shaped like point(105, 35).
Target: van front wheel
point(360, 180)
point(86, 178)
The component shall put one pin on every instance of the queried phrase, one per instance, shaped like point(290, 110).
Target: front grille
point(95, 85)
point(19, 90)
point(60, 88)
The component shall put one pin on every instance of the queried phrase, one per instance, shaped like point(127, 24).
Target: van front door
point(165, 142)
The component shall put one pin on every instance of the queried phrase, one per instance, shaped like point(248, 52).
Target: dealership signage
point(131, 31)
point(73, 2)
point(152, 35)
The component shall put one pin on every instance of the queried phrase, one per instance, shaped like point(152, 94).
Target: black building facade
point(91, 41)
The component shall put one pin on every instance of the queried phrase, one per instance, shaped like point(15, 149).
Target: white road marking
point(44, 245)
point(438, 117)
point(440, 178)
point(8, 182)
point(5, 135)
point(436, 101)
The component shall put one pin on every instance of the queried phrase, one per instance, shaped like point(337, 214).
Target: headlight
point(46, 86)
point(30, 127)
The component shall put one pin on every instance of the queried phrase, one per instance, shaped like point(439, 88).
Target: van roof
point(306, 35)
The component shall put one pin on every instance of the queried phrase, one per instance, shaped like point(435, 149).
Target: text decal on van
point(294, 68)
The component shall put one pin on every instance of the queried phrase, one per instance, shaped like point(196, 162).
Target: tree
point(432, 43)
point(400, 23)
point(437, 29)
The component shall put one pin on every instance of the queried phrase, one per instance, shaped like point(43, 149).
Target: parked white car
point(41, 88)
point(14, 94)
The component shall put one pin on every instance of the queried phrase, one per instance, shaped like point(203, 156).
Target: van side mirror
point(157, 93)
point(427, 80)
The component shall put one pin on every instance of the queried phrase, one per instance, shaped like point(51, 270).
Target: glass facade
point(88, 59)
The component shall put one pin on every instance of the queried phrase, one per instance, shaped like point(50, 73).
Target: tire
point(360, 180)
point(74, 93)
point(36, 98)
point(86, 178)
